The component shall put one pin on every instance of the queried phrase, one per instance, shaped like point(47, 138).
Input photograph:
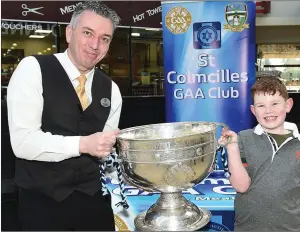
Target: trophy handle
point(228, 139)
point(222, 151)
point(106, 158)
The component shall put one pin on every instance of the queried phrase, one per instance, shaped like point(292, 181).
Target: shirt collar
point(72, 71)
point(287, 126)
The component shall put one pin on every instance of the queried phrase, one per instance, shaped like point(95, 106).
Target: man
point(63, 117)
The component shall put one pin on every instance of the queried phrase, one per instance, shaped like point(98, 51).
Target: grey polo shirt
point(272, 203)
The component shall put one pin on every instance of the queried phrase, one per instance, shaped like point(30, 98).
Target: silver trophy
point(169, 158)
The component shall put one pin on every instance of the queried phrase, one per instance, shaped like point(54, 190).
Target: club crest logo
point(236, 16)
point(217, 227)
point(120, 223)
point(178, 20)
point(207, 35)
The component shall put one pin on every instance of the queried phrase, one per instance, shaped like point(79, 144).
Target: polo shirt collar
point(287, 126)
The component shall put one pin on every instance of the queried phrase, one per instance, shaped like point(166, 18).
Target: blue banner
point(209, 61)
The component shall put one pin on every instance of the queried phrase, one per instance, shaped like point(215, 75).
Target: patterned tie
point(80, 90)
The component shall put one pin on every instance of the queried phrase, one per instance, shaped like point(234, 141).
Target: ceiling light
point(54, 46)
point(14, 44)
point(43, 31)
point(152, 29)
point(49, 49)
point(39, 53)
point(36, 36)
point(135, 34)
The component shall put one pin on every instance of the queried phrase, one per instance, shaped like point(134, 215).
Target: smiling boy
point(268, 190)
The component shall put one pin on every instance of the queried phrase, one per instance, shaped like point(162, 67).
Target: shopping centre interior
point(135, 62)
point(135, 58)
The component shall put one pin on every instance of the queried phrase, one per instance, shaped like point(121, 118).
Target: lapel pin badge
point(105, 102)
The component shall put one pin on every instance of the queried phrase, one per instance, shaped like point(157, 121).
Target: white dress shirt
point(25, 108)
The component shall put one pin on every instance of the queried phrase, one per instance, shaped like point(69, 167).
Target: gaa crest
point(236, 16)
point(178, 20)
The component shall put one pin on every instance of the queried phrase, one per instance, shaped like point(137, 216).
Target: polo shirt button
point(77, 169)
point(74, 186)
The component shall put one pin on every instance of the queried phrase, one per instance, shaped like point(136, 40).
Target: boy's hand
point(225, 136)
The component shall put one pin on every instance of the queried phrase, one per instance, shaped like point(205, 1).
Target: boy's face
point(270, 111)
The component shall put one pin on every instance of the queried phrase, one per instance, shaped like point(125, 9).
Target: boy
point(268, 190)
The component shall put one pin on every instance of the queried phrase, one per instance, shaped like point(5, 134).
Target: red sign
point(263, 7)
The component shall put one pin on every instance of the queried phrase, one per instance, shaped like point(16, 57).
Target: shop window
point(147, 62)
point(281, 60)
point(117, 61)
point(22, 39)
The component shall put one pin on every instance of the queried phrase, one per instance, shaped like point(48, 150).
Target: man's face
point(89, 41)
point(270, 111)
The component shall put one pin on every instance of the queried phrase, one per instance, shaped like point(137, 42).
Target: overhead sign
point(132, 13)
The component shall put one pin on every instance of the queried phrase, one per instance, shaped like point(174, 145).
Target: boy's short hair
point(269, 85)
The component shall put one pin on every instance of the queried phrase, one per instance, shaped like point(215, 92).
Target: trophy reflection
point(169, 158)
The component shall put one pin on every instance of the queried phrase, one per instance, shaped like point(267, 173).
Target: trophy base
point(140, 224)
point(180, 215)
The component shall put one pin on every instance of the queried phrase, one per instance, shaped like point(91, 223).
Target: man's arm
point(25, 107)
point(112, 122)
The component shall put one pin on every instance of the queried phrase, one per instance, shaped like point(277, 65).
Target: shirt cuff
point(72, 146)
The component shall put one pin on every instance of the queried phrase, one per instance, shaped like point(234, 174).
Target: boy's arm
point(239, 177)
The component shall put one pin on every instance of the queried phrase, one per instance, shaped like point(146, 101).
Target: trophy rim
point(119, 136)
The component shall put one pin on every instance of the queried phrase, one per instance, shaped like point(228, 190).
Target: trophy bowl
point(169, 158)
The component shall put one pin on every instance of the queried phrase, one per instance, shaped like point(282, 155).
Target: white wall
point(282, 13)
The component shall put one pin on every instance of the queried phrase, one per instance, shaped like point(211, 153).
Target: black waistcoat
point(63, 115)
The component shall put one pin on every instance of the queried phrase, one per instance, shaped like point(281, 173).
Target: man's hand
point(99, 144)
